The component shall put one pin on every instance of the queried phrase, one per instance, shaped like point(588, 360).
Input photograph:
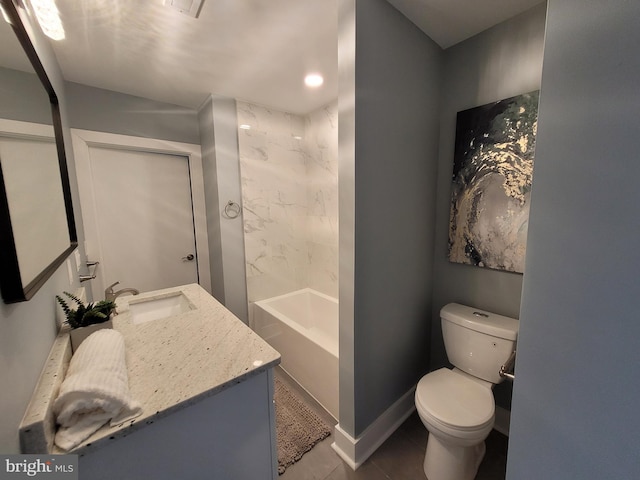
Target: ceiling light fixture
point(244, 126)
point(48, 18)
point(313, 80)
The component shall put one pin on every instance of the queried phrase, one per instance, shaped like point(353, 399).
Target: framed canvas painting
point(492, 171)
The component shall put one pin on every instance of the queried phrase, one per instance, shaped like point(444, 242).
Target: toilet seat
point(455, 404)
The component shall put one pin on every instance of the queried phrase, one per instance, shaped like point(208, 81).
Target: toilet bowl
point(456, 405)
point(459, 414)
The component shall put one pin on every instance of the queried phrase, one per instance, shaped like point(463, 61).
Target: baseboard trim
point(503, 420)
point(355, 451)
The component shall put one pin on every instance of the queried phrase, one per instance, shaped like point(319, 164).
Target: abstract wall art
point(492, 171)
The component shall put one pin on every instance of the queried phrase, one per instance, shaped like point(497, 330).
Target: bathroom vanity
point(205, 381)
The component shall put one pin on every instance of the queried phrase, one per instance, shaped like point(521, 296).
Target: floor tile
point(494, 464)
point(368, 471)
point(316, 464)
point(415, 431)
point(399, 458)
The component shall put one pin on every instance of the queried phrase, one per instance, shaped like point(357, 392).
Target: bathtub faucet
point(110, 295)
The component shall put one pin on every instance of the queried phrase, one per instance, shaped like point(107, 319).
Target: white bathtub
point(303, 327)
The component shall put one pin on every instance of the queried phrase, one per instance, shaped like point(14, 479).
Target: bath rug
point(298, 428)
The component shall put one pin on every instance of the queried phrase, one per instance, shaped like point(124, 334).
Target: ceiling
point(253, 50)
point(448, 22)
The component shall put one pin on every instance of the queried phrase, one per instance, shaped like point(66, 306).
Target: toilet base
point(443, 461)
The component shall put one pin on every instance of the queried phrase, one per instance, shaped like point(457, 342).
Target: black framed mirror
point(37, 227)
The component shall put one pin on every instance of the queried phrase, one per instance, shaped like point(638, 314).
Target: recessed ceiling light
point(244, 126)
point(313, 80)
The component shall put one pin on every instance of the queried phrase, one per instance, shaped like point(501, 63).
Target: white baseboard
point(503, 420)
point(354, 451)
point(345, 446)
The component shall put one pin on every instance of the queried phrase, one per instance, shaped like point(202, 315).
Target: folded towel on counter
point(95, 390)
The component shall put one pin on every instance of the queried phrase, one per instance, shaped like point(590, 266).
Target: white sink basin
point(146, 310)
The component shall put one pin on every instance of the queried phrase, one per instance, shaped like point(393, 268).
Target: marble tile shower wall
point(289, 171)
point(321, 139)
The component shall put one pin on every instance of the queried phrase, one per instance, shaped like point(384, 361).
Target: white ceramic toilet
point(456, 405)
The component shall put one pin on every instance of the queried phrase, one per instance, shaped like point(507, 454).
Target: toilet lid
point(454, 400)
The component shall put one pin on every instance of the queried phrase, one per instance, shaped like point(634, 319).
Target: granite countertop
point(176, 361)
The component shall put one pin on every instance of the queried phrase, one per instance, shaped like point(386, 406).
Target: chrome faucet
point(110, 295)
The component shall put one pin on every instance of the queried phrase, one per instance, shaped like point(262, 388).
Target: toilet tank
point(478, 342)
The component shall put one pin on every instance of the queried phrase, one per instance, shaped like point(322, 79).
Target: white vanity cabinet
point(204, 381)
point(229, 436)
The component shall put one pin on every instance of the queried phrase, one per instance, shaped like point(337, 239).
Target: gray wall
point(501, 62)
point(208, 144)
point(27, 330)
point(102, 110)
point(23, 98)
point(346, 209)
point(397, 82)
point(576, 394)
point(219, 124)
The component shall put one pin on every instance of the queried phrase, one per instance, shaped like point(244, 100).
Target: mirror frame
point(11, 284)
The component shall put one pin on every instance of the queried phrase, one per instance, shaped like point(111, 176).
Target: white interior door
point(144, 218)
point(143, 211)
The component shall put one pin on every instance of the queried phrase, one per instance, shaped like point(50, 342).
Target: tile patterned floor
point(399, 458)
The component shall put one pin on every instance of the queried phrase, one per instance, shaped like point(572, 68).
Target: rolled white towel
point(95, 389)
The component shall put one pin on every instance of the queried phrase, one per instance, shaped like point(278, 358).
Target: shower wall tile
point(322, 271)
point(322, 230)
point(321, 137)
point(289, 192)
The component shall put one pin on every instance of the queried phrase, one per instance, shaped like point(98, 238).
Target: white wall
point(576, 393)
point(289, 192)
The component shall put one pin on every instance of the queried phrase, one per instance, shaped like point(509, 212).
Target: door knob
point(189, 257)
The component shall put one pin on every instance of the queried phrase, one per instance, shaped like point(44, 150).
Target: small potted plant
point(85, 319)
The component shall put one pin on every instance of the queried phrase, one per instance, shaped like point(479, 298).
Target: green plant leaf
point(85, 315)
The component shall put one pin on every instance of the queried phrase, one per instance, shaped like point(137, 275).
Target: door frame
point(84, 139)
